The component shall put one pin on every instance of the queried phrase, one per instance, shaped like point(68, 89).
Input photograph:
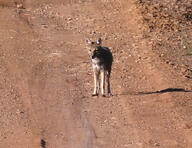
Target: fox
point(102, 59)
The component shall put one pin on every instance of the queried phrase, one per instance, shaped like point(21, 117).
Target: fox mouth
point(95, 60)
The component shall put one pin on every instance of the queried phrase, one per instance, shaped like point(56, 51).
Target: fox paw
point(110, 94)
point(94, 95)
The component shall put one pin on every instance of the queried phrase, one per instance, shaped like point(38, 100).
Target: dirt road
point(46, 80)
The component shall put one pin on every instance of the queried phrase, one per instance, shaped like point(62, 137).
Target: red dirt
point(46, 80)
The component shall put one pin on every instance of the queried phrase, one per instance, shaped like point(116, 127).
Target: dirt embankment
point(168, 26)
point(46, 79)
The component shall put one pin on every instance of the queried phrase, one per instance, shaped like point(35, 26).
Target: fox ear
point(88, 41)
point(99, 41)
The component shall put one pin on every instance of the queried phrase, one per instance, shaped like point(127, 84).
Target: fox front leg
point(96, 81)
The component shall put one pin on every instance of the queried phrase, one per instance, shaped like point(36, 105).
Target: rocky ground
point(46, 79)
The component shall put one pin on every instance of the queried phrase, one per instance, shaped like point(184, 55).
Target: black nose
point(93, 56)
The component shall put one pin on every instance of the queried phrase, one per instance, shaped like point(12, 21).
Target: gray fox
point(102, 59)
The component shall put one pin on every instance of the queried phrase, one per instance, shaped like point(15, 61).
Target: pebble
point(156, 144)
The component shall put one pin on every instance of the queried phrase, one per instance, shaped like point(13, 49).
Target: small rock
point(172, 64)
point(156, 144)
point(167, 62)
point(20, 6)
point(43, 143)
point(187, 76)
point(19, 112)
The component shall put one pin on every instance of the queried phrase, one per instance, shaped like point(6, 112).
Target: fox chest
point(97, 64)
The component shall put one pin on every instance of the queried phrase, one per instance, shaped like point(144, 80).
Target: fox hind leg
point(103, 82)
point(108, 83)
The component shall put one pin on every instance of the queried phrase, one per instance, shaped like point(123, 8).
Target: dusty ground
point(46, 80)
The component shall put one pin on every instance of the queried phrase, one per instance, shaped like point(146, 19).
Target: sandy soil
point(46, 80)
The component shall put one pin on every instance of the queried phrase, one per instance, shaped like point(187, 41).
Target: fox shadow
point(167, 90)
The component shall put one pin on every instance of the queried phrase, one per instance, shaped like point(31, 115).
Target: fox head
point(92, 46)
